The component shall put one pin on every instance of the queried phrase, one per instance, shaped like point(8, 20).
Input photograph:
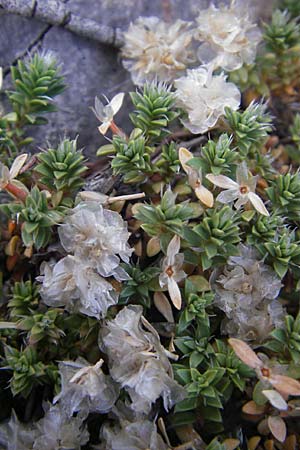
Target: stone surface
point(90, 69)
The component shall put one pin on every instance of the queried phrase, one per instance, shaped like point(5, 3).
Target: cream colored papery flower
point(242, 190)
point(156, 50)
point(77, 287)
point(229, 38)
point(139, 435)
point(172, 272)
point(204, 96)
point(138, 361)
point(85, 388)
point(246, 290)
point(15, 435)
point(98, 237)
point(58, 431)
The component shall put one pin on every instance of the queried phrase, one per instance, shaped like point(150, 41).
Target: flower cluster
point(228, 37)
point(204, 97)
point(97, 239)
point(134, 435)
point(138, 361)
point(154, 49)
point(246, 291)
point(54, 431)
point(157, 50)
point(128, 341)
point(85, 388)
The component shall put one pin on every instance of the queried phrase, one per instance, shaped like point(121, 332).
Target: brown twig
point(193, 142)
point(56, 13)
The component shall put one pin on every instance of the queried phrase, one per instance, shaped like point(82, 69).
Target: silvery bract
point(56, 431)
point(85, 388)
point(138, 361)
point(139, 435)
point(15, 435)
point(156, 50)
point(77, 287)
point(246, 291)
point(228, 37)
point(204, 96)
point(98, 237)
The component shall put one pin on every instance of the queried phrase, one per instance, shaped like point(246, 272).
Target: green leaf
point(186, 405)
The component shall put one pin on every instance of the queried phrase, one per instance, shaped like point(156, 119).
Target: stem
point(186, 446)
point(116, 130)
point(16, 192)
point(6, 325)
point(125, 197)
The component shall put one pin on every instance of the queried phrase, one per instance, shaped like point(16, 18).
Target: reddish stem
point(116, 130)
point(16, 192)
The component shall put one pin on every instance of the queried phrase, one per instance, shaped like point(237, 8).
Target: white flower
point(138, 361)
point(138, 435)
point(230, 39)
point(242, 190)
point(9, 175)
point(8, 178)
point(56, 431)
point(1, 78)
point(77, 287)
point(266, 374)
point(204, 96)
point(106, 113)
point(156, 50)
point(246, 291)
point(98, 237)
point(172, 273)
point(85, 388)
point(195, 178)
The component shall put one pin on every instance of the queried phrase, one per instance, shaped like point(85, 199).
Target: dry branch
point(56, 13)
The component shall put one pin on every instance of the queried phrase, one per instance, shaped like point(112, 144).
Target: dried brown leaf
point(277, 427)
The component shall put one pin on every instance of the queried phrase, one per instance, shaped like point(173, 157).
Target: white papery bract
point(156, 50)
point(228, 37)
point(56, 431)
point(204, 96)
point(138, 435)
point(77, 287)
point(246, 291)
point(138, 361)
point(15, 435)
point(85, 388)
point(98, 237)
